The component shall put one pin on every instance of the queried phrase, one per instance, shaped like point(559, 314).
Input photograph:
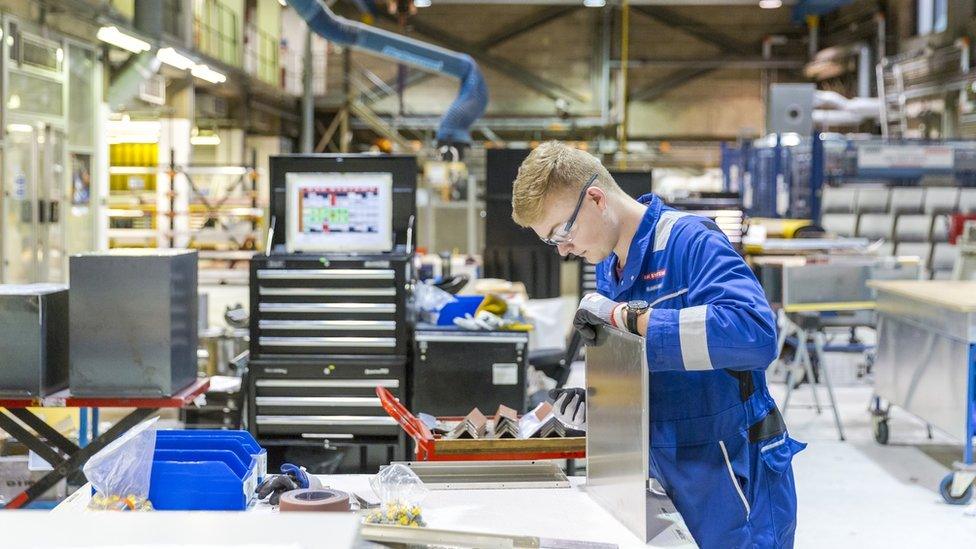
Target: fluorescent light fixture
point(283, 3)
point(208, 139)
point(594, 3)
point(789, 139)
point(770, 4)
point(204, 72)
point(175, 59)
point(132, 131)
point(421, 3)
point(20, 128)
point(112, 35)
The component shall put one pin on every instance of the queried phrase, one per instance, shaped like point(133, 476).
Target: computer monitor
point(339, 212)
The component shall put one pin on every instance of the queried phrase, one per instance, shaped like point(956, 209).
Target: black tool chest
point(325, 332)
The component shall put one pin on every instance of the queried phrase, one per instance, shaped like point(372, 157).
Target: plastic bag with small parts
point(401, 492)
point(120, 472)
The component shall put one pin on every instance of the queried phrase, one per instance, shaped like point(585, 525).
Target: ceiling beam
point(712, 63)
point(415, 76)
point(693, 27)
point(746, 3)
point(535, 20)
point(513, 70)
point(661, 87)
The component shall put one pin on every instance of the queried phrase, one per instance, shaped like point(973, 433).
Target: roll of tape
point(308, 499)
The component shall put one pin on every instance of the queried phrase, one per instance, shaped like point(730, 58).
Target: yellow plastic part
point(780, 228)
point(829, 307)
point(493, 304)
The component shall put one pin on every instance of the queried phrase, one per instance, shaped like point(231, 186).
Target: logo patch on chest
point(656, 275)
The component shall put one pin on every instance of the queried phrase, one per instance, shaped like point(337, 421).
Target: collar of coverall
point(635, 256)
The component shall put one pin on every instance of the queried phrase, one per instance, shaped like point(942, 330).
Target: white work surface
point(560, 513)
point(555, 513)
point(175, 530)
point(957, 295)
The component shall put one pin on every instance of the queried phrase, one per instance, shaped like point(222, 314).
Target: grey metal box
point(791, 108)
point(133, 322)
point(33, 339)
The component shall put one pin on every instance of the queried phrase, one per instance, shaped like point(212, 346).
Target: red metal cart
point(431, 447)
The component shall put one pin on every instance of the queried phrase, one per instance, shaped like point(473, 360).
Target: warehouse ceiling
point(546, 59)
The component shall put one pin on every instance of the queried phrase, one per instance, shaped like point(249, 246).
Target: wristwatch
point(633, 310)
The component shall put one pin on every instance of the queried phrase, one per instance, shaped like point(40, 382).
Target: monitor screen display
point(339, 212)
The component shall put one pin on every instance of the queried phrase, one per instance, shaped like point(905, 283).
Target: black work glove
point(595, 309)
point(570, 406)
point(275, 486)
point(585, 323)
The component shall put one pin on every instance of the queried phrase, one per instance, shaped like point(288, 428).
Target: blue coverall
point(718, 444)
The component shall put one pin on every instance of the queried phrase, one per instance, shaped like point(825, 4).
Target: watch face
point(638, 305)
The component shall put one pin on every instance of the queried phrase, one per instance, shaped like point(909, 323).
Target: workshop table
point(552, 513)
point(926, 364)
point(65, 456)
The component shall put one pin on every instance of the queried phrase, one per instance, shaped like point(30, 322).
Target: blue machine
point(775, 175)
point(782, 175)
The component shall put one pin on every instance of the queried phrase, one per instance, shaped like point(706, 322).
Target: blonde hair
point(554, 167)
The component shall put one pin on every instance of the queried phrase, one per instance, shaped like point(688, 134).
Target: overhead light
point(283, 3)
point(770, 4)
point(112, 35)
point(790, 139)
point(206, 139)
point(20, 128)
point(175, 59)
point(594, 3)
point(204, 72)
point(132, 131)
point(421, 3)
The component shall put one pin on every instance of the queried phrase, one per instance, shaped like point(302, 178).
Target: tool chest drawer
point(328, 305)
point(300, 398)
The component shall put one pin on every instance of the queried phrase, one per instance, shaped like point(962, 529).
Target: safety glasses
point(563, 235)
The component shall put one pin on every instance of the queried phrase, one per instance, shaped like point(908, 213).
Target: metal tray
point(488, 475)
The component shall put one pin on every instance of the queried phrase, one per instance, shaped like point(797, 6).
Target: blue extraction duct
point(473, 95)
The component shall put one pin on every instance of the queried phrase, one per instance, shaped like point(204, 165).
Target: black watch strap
point(633, 310)
point(632, 320)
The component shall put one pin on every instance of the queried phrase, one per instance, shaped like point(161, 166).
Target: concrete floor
point(860, 494)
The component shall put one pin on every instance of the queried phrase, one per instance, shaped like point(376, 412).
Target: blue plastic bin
point(208, 443)
point(243, 437)
point(465, 304)
point(200, 480)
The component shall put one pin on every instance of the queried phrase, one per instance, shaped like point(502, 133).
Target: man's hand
point(570, 406)
point(594, 309)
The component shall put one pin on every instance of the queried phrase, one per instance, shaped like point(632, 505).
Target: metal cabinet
point(454, 371)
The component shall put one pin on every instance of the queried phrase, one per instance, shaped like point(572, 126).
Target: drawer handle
point(362, 421)
point(373, 342)
point(327, 307)
point(377, 325)
point(325, 274)
point(329, 383)
point(364, 402)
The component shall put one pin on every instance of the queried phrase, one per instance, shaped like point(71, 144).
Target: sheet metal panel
point(617, 438)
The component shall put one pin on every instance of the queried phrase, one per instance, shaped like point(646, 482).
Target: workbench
point(553, 513)
point(926, 364)
point(65, 456)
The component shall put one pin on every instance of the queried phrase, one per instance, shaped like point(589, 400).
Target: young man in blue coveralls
point(718, 443)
